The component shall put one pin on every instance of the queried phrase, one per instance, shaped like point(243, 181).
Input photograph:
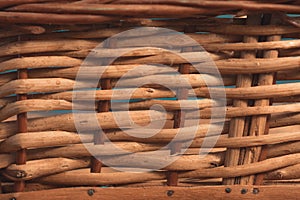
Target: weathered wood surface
point(215, 192)
point(50, 40)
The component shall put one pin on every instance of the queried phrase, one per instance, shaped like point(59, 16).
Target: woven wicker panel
point(255, 47)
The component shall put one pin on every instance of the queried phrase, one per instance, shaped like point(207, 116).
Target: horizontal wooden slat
point(276, 192)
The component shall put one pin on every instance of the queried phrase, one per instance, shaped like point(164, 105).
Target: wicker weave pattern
point(257, 53)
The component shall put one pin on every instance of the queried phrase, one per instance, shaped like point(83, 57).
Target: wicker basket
point(255, 46)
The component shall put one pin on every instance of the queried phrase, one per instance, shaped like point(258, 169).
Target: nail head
point(170, 193)
point(228, 190)
point(244, 191)
point(91, 192)
point(255, 190)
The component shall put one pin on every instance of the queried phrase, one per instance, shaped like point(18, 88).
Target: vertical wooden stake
point(266, 79)
point(103, 106)
point(179, 116)
point(259, 124)
point(19, 186)
point(238, 124)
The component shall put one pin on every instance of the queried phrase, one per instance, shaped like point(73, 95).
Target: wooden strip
point(176, 81)
point(21, 30)
point(178, 26)
point(8, 3)
point(288, 75)
point(254, 30)
point(182, 23)
point(65, 122)
point(282, 182)
point(46, 18)
point(19, 186)
point(290, 52)
point(41, 139)
point(80, 150)
point(98, 32)
point(180, 163)
point(83, 177)
point(245, 170)
point(275, 192)
point(284, 149)
point(249, 111)
point(284, 120)
point(114, 9)
point(256, 46)
point(235, 28)
point(29, 187)
point(166, 135)
point(30, 105)
point(257, 92)
point(150, 55)
point(39, 62)
point(249, 141)
point(42, 167)
point(58, 84)
point(291, 172)
point(230, 111)
point(170, 105)
point(181, 81)
point(110, 9)
point(244, 5)
point(139, 93)
point(37, 168)
point(33, 105)
point(35, 85)
point(22, 47)
point(154, 59)
point(6, 160)
point(7, 77)
point(38, 85)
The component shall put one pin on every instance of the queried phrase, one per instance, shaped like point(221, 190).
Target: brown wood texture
point(43, 44)
point(179, 116)
point(237, 125)
point(260, 124)
point(19, 186)
point(214, 192)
